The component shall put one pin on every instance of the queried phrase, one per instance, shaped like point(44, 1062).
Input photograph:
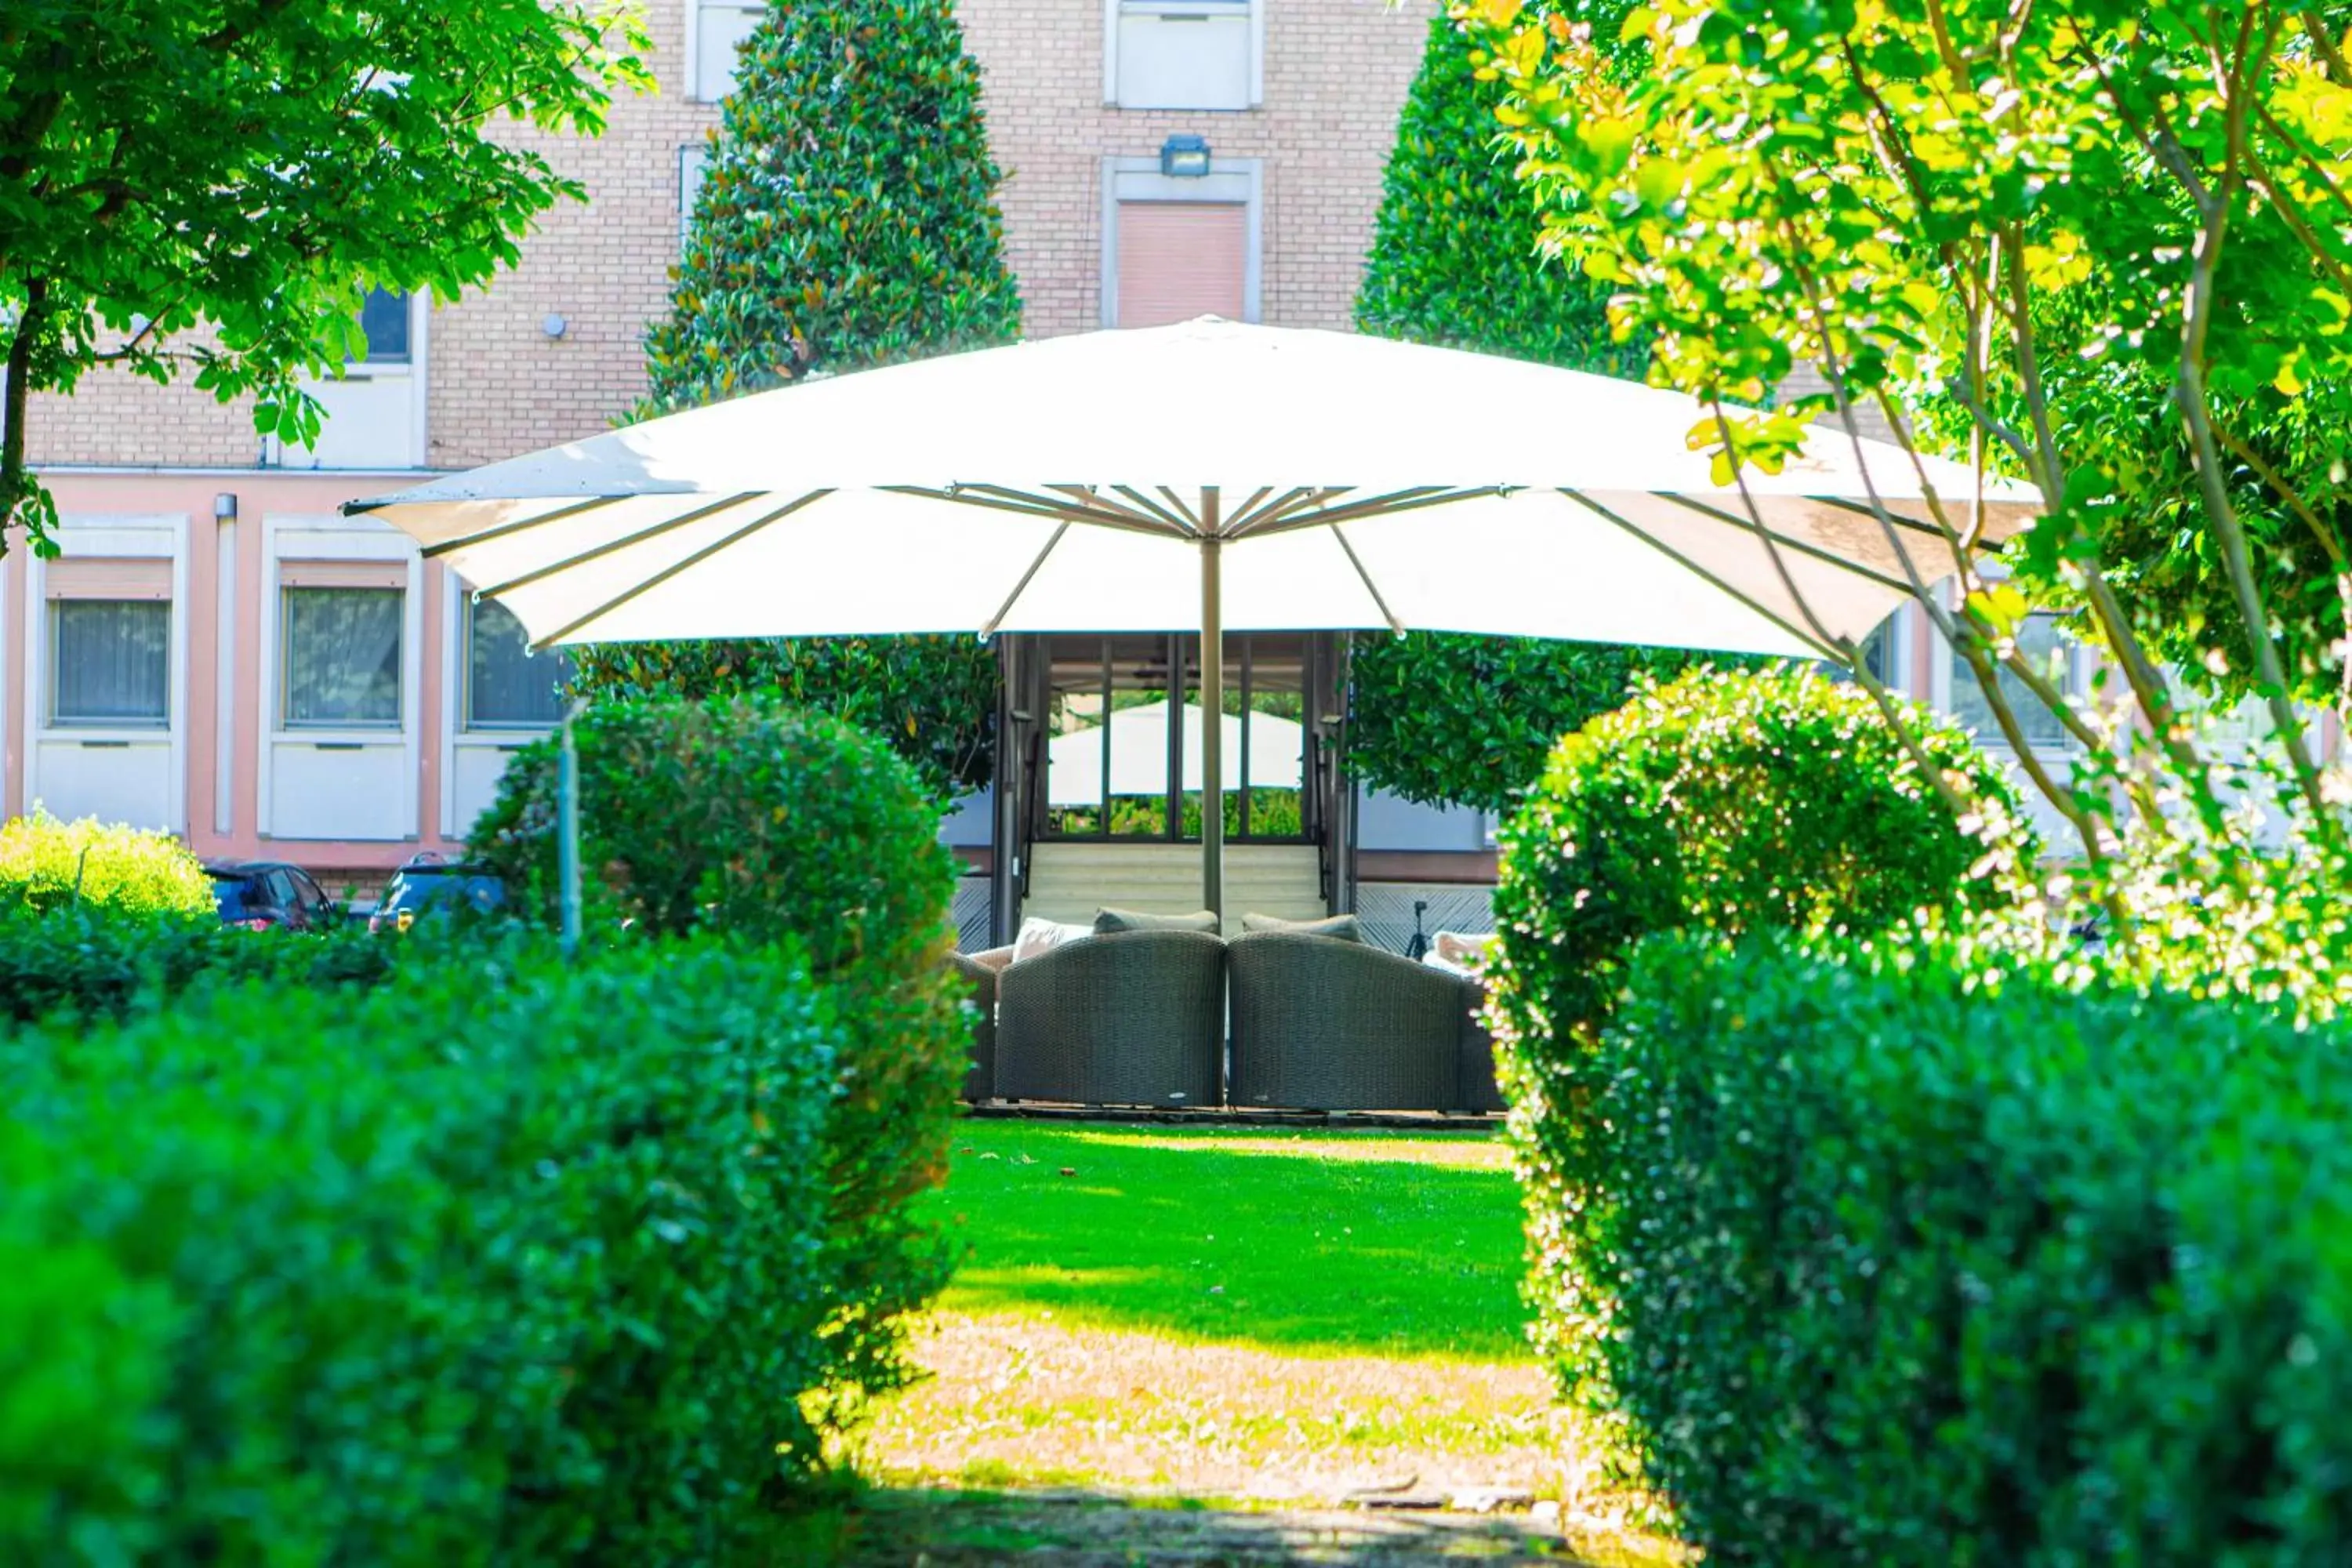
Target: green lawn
point(1399, 1245)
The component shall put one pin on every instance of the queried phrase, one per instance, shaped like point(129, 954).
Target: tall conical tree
point(1444, 716)
point(848, 218)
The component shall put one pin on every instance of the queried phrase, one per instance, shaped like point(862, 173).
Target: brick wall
point(1335, 74)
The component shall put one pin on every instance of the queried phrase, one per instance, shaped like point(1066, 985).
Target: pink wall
point(259, 496)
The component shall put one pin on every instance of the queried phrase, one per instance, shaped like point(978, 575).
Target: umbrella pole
point(1213, 715)
point(567, 835)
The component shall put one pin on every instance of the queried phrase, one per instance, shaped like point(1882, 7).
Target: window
point(720, 28)
point(384, 319)
point(1176, 248)
point(508, 686)
point(111, 663)
point(342, 658)
point(2049, 651)
point(1182, 54)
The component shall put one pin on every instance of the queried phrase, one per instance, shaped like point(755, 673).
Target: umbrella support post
point(1212, 714)
point(567, 835)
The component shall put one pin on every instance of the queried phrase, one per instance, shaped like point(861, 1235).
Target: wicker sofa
point(1326, 1025)
point(1128, 1018)
point(979, 972)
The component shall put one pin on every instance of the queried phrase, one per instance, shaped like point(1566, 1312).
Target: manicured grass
point(1399, 1245)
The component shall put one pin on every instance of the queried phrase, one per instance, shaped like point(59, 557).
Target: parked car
point(260, 894)
point(429, 887)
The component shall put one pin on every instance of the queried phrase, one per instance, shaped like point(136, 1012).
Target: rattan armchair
point(1131, 1019)
point(1325, 1025)
point(979, 972)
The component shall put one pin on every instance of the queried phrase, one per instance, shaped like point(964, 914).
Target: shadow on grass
point(1286, 1244)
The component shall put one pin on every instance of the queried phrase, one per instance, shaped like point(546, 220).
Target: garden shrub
point(1884, 1263)
point(46, 864)
point(744, 815)
point(506, 1260)
point(1722, 802)
point(103, 964)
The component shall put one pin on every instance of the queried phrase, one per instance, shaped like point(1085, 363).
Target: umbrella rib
point(995, 498)
point(667, 525)
point(988, 627)
point(1688, 564)
point(666, 572)
point(1186, 512)
point(1911, 523)
point(1156, 509)
point(1380, 506)
point(1291, 502)
point(1087, 497)
point(1370, 587)
point(1826, 557)
point(501, 530)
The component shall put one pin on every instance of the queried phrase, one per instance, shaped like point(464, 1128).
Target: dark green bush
point(1722, 802)
point(103, 964)
point(502, 1261)
point(1882, 1263)
point(757, 819)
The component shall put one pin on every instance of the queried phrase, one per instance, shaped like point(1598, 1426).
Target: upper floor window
point(720, 28)
point(384, 319)
point(693, 164)
point(1183, 54)
point(509, 687)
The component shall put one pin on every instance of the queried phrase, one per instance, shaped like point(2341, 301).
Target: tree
point(1457, 260)
point(217, 184)
point(2100, 245)
point(848, 219)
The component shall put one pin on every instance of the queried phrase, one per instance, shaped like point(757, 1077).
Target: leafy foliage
point(932, 698)
point(848, 218)
point(1446, 718)
point(46, 864)
point(1457, 260)
point(1723, 803)
point(508, 1260)
point(1884, 1263)
point(218, 184)
point(108, 964)
point(745, 816)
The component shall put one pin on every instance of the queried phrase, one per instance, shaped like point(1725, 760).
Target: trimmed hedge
point(750, 818)
point(105, 965)
point(1882, 1263)
point(46, 864)
point(503, 1261)
point(1723, 802)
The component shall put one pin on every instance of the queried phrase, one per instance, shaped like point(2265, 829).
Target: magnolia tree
point(848, 219)
point(2103, 245)
point(214, 186)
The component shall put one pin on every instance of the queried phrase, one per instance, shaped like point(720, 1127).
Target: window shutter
point(134, 577)
point(343, 574)
point(1181, 259)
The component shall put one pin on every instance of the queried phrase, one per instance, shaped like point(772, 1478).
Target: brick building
point(219, 653)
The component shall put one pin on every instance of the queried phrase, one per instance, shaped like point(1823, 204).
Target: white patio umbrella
point(1139, 756)
point(1207, 474)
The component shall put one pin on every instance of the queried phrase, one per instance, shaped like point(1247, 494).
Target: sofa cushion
point(1038, 934)
point(1344, 928)
point(1459, 952)
point(1107, 921)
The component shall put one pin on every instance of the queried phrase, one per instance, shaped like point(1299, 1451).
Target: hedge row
point(100, 963)
point(509, 1260)
point(1883, 1264)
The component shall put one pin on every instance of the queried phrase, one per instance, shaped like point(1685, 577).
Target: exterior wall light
point(224, 506)
point(1184, 157)
point(553, 325)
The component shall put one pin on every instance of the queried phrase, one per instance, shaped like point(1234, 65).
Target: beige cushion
point(1109, 921)
point(1039, 934)
point(1459, 951)
point(1344, 928)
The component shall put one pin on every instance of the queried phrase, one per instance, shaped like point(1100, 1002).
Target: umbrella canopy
point(1207, 474)
point(1139, 754)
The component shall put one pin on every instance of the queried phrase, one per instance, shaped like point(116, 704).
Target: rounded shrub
point(46, 864)
point(746, 817)
point(1722, 803)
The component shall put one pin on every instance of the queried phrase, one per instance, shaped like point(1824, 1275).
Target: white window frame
point(457, 705)
point(415, 371)
point(1111, 11)
point(2081, 661)
point(142, 536)
point(699, 74)
point(693, 168)
point(331, 537)
point(1237, 182)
